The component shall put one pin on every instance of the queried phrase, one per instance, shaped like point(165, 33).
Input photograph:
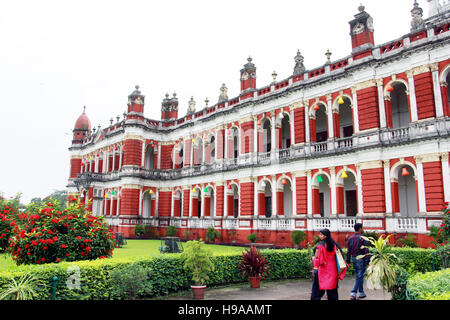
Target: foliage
point(197, 260)
point(381, 271)
point(253, 237)
point(441, 234)
point(398, 289)
point(253, 263)
point(297, 237)
point(171, 231)
point(212, 234)
point(22, 289)
point(139, 230)
point(408, 241)
point(443, 252)
point(232, 235)
point(9, 212)
point(49, 235)
point(371, 234)
point(430, 286)
point(131, 281)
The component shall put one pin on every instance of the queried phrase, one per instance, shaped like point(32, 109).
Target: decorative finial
point(206, 102)
point(191, 107)
point(118, 118)
point(328, 54)
point(84, 109)
point(137, 87)
point(417, 21)
point(249, 59)
point(223, 93)
point(274, 76)
point(299, 67)
point(111, 120)
point(174, 94)
point(361, 8)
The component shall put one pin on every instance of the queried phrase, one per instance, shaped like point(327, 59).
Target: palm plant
point(23, 289)
point(381, 272)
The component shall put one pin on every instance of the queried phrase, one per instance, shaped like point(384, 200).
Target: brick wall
point(75, 167)
point(132, 152)
point(165, 204)
point(368, 115)
point(434, 190)
point(129, 202)
point(247, 199)
point(301, 195)
point(373, 190)
point(299, 125)
point(424, 95)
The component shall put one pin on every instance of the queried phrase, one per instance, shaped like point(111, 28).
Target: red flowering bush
point(9, 213)
point(47, 235)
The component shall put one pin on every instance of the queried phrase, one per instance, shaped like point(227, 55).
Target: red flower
point(63, 246)
point(45, 248)
point(88, 248)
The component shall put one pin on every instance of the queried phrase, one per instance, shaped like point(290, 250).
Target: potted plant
point(232, 234)
point(297, 237)
point(381, 272)
point(212, 234)
point(253, 237)
point(171, 231)
point(254, 266)
point(197, 260)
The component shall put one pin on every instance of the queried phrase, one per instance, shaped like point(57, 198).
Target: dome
point(83, 122)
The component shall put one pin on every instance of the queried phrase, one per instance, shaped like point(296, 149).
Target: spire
point(299, 67)
point(417, 22)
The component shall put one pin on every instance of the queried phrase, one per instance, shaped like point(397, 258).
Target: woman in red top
point(325, 261)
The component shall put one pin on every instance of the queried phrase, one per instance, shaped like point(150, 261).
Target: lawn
point(135, 248)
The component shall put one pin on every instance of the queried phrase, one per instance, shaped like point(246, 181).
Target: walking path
point(297, 289)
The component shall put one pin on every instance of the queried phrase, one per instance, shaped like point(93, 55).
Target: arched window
point(319, 125)
point(149, 157)
point(399, 106)
point(287, 197)
point(147, 205)
point(285, 132)
point(345, 128)
point(267, 136)
point(212, 149)
point(404, 192)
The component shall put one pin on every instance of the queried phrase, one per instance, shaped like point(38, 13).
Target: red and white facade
point(365, 139)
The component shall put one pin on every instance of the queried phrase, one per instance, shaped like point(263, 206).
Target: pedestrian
point(354, 250)
point(326, 278)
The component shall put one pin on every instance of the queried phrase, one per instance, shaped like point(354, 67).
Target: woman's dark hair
point(329, 241)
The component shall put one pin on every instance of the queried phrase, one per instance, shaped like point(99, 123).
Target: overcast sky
point(57, 56)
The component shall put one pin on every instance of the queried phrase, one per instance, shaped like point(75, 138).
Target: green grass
point(134, 249)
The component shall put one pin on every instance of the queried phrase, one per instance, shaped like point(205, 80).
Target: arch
point(233, 200)
point(343, 119)
point(395, 169)
point(285, 139)
point(445, 72)
point(346, 193)
point(319, 123)
point(208, 194)
point(212, 148)
point(312, 112)
point(393, 82)
point(147, 204)
point(399, 115)
point(265, 198)
point(404, 190)
point(314, 181)
point(321, 194)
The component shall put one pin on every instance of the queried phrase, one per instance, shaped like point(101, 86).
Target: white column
point(360, 193)
point(333, 191)
point(437, 90)
point(225, 200)
point(294, 195)
point(121, 157)
point(143, 155)
point(387, 187)
point(273, 141)
point(255, 136)
point(381, 107)
point(274, 197)
point(113, 160)
point(157, 203)
point(159, 155)
point(412, 98)
point(330, 117)
point(421, 186)
point(172, 204)
point(255, 198)
point(307, 130)
point(105, 161)
point(190, 203)
point(118, 202)
point(226, 137)
point(203, 151)
point(445, 176)
point(140, 203)
point(309, 192)
point(355, 111)
point(292, 124)
point(192, 152)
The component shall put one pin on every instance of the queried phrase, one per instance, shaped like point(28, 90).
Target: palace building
point(365, 138)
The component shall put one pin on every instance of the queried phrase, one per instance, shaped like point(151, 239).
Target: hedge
point(168, 276)
point(430, 286)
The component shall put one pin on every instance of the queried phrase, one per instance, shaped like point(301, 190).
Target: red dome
point(83, 122)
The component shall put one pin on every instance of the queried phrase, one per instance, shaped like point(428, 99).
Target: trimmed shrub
point(430, 286)
point(166, 273)
point(171, 231)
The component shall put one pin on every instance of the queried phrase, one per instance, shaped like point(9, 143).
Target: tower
point(136, 104)
point(248, 76)
point(82, 128)
point(169, 108)
point(362, 34)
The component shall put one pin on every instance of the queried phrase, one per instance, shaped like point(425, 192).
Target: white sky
point(57, 56)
